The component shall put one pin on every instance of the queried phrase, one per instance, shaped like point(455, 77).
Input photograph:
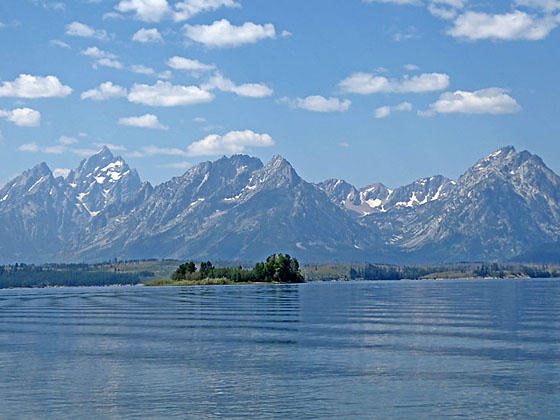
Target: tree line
point(494, 270)
point(64, 275)
point(501, 271)
point(381, 272)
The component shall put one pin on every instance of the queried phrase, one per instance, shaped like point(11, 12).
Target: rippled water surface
point(409, 350)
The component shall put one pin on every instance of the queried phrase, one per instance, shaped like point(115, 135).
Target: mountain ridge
point(238, 208)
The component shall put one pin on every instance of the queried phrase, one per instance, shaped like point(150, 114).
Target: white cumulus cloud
point(367, 83)
point(411, 67)
point(102, 58)
point(112, 15)
point(442, 12)
point(57, 149)
point(54, 5)
point(443, 9)
point(34, 148)
point(143, 121)
point(446, 9)
point(95, 52)
point(382, 112)
point(141, 69)
point(545, 5)
point(29, 147)
point(485, 101)
point(23, 117)
point(385, 111)
point(61, 172)
point(146, 10)
point(474, 26)
point(222, 33)
point(147, 36)
point(105, 91)
point(109, 62)
point(317, 103)
point(252, 90)
point(28, 86)
point(182, 63)
point(188, 8)
point(230, 143)
point(166, 94)
point(85, 31)
point(59, 43)
point(156, 10)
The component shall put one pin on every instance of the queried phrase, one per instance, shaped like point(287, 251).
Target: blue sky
point(365, 90)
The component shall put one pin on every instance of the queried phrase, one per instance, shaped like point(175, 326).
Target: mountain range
point(237, 208)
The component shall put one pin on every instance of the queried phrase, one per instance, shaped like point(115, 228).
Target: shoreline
point(153, 273)
point(171, 283)
point(141, 285)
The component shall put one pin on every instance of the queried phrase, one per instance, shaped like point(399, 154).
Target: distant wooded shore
point(168, 272)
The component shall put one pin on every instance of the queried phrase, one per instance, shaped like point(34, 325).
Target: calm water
point(409, 350)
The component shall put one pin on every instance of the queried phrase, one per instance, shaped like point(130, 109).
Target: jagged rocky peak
point(208, 180)
point(103, 168)
point(340, 192)
point(523, 174)
point(279, 164)
point(277, 172)
point(505, 164)
point(224, 167)
point(376, 191)
point(504, 160)
point(373, 198)
point(28, 182)
point(102, 180)
point(41, 169)
point(420, 192)
point(31, 175)
point(94, 162)
point(236, 165)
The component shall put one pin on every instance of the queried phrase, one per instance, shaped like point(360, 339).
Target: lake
point(476, 349)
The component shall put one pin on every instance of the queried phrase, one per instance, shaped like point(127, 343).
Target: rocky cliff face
point(40, 216)
point(101, 181)
point(499, 207)
point(236, 208)
point(31, 222)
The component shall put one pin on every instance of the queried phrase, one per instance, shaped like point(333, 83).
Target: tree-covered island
point(278, 268)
